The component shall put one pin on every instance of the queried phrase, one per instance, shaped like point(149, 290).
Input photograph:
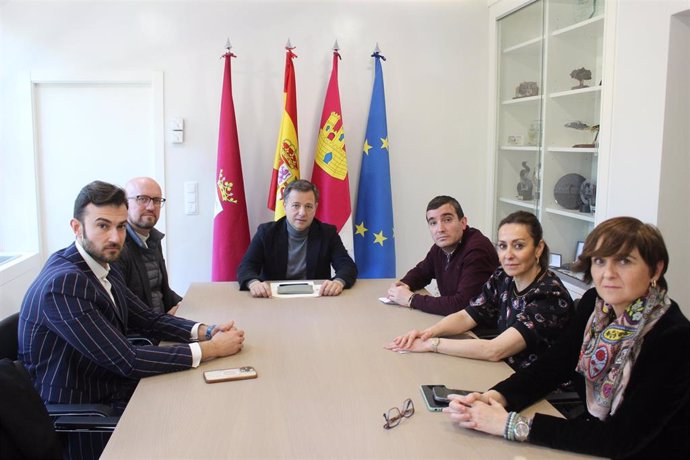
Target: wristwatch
point(521, 428)
point(434, 344)
point(209, 331)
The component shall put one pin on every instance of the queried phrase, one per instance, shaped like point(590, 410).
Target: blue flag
point(374, 239)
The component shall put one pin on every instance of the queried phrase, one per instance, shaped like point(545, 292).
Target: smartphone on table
point(431, 403)
point(441, 393)
point(436, 396)
point(224, 375)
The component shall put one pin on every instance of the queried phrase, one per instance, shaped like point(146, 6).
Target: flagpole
point(377, 52)
point(228, 47)
point(336, 50)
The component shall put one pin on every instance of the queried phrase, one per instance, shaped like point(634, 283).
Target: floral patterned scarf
point(611, 345)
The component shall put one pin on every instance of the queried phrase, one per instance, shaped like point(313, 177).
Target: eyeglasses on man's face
point(395, 415)
point(144, 200)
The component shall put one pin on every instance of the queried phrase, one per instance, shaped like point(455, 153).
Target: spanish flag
point(286, 163)
point(330, 163)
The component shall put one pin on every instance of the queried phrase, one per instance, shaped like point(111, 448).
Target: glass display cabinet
point(549, 74)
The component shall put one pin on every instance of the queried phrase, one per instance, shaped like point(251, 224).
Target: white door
point(85, 132)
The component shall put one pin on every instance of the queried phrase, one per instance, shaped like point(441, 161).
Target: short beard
point(91, 250)
point(145, 225)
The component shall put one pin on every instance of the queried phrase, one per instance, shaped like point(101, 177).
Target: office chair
point(566, 399)
point(8, 337)
point(26, 430)
point(64, 417)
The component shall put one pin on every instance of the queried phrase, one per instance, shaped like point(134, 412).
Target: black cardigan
point(132, 264)
point(653, 421)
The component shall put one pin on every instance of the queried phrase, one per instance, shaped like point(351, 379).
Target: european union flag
point(374, 240)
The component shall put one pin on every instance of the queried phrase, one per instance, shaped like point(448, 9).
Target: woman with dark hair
point(525, 301)
point(626, 353)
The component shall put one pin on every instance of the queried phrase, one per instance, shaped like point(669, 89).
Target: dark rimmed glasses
point(395, 415)
point(144, 200)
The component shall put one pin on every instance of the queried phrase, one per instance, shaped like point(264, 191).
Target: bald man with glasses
point(297, 247)
point(142, 256)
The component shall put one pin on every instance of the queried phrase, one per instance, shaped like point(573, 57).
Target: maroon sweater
point(458, 280)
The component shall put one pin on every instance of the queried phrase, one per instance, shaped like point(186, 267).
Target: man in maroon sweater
point(461, 260)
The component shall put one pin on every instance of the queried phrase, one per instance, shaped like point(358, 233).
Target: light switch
point(177, 130)
point(191, 209)
point(191, 198)
point(178, 137)
point(177, 124)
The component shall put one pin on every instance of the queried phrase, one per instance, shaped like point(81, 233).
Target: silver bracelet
point(409, 299)
point(508, 430)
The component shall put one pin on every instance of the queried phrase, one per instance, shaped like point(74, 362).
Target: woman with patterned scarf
point(627, 352)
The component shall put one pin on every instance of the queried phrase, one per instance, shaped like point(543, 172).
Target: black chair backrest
point(9, 343)
point(26, 430)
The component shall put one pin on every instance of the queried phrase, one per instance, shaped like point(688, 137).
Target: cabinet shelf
point(520, 148)
point(573, 92)
point(587, 217)
point(522, 100)
point(589, 23)
point(572, 149)
point(525, 46)
point(529, 204)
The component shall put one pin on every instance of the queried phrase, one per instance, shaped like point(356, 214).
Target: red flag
point(286, 162)
point(330, 162)
point(230, 224)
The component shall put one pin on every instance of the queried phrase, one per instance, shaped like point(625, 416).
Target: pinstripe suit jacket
point(72, 337)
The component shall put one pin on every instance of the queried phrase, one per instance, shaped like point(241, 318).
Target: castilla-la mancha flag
point(286, 163)
point(330, 163)
point(230, 224)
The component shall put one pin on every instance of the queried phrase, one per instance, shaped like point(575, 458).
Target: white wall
point(640, 140)
point(674, 213)
point(435, 77)
point(639, 102)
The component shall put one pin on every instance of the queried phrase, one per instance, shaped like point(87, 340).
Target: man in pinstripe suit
point(76, 314)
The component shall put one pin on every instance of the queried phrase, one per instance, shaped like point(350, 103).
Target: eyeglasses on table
point(395, 415)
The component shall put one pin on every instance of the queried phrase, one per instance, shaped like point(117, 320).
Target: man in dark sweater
point(297, 247)
point(142, 259)
point(461, 260)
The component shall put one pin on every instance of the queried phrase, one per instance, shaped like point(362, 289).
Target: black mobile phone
point(431, 403)
point(441, 393)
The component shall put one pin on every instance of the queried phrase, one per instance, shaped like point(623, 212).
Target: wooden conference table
point(324, 381)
